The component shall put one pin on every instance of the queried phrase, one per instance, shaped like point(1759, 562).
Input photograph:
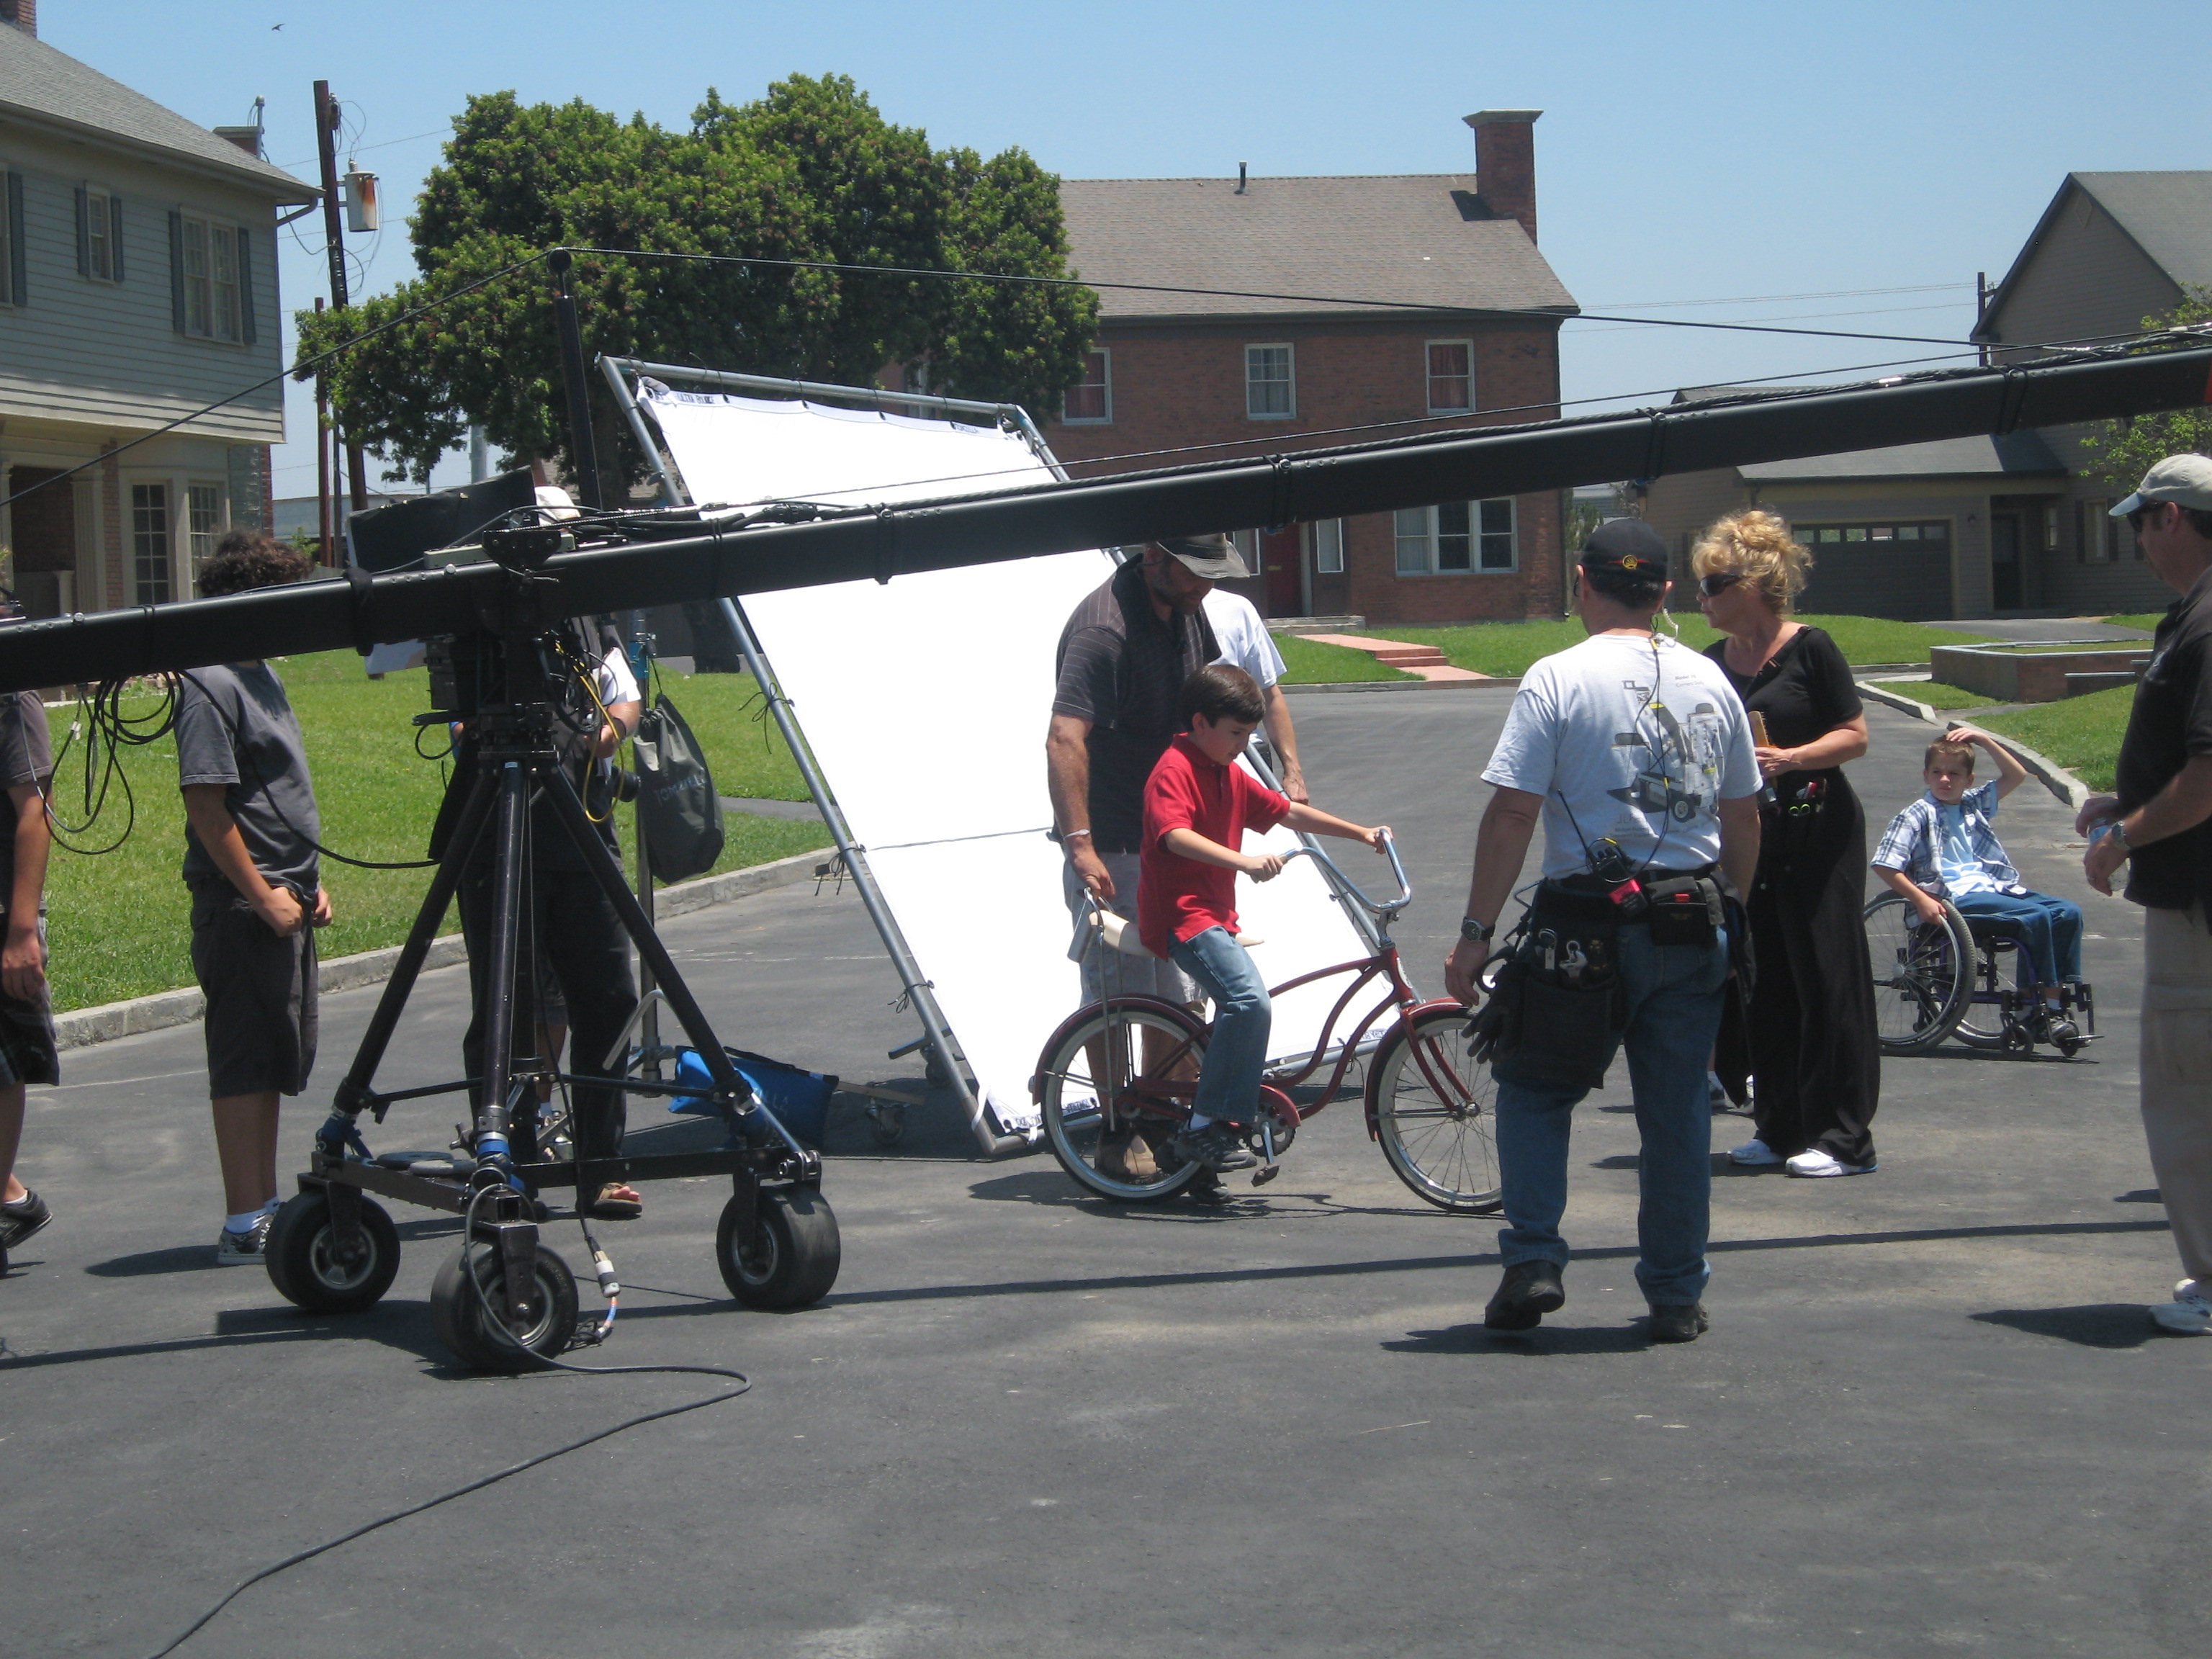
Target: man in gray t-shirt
point(250, 859)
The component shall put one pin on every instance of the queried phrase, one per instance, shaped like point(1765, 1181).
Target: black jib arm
point(1124, 510)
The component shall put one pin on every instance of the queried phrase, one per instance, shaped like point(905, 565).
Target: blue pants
point(1243, 1018)
point(1674, 994)
point(2050, 927)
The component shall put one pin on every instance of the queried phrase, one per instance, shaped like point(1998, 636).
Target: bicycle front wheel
point(1433, 1109)
point(1114, 1084)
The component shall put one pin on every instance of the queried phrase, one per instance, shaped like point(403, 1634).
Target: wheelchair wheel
point(1432, 1106)
point(1115, 1077)
point(1986, 1024)
point(1922, 973)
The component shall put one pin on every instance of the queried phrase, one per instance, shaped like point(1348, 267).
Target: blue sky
point(1787, 157)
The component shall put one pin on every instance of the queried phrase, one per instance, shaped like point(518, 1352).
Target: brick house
point(1470, 339)
point(137, 284)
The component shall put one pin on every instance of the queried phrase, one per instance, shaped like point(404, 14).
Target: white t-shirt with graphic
point(1244, 639)
point(1631, 739)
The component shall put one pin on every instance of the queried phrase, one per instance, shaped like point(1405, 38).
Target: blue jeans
point(1236, 1052)
point(2050, 929)
point(1674, 994)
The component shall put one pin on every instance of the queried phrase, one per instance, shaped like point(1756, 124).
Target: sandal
point(618, 1202)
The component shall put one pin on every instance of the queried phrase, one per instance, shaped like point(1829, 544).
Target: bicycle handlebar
point(1388, 907)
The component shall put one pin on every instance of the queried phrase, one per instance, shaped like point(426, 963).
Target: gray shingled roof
point(48, 88)
point(1422, 237)
point(2016, 455)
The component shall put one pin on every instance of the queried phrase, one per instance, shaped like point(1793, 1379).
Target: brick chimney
point(23, 13)
point(1505, 163)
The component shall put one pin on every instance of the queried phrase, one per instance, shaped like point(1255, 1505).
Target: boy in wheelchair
point(1942, 846)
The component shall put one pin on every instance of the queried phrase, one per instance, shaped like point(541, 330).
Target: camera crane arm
point(1126, 510)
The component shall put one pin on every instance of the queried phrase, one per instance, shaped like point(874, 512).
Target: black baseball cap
point(1628, 548)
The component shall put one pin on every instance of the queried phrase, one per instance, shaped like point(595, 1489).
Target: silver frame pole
point(936, 1030)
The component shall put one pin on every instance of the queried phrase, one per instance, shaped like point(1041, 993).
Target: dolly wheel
point(794, 1254)
point(307, 1270)
point(460, 1316)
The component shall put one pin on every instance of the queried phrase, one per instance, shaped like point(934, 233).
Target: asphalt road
point(1930, 1417)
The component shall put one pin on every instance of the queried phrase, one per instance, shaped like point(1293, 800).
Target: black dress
point(1809, 1031)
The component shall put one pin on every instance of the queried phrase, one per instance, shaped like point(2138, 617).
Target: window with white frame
point(1458, 538)
point(1270, 386)
point(150, 542)
point(1451, 377)
point(1326, 538)
point(210, 279)
point(1089, 401)
point(99, 235)
point(204, 515)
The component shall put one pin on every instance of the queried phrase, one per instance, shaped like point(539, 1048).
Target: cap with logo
point(2183, 478)
point(1628, 548)
point(1213, 557)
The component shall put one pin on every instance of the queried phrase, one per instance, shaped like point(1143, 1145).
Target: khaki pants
point(2177, 1077)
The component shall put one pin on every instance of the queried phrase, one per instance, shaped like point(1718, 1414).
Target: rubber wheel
point(1986, 1024)
point(935, 1070)
point(1923, 975)
point(457, 1312)
point(1433, 1109)
point(305, 1272)
point(795, 1252)
point(1113, 1039)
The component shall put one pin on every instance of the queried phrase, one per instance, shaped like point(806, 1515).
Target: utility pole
point(326, 125)
point(326, 550)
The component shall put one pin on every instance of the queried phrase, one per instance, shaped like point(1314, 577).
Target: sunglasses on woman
point(1719, 582)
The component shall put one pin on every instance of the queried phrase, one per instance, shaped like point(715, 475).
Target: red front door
point(1282, 561)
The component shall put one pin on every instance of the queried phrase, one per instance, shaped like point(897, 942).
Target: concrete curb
point(81, 1026)
point(2047, 771)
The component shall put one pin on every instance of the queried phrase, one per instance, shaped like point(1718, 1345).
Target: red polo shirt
point(1178, 898)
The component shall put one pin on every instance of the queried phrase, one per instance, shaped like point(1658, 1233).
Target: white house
point(137, 284)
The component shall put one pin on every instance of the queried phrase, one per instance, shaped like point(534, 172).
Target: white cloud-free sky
point(1844, 166)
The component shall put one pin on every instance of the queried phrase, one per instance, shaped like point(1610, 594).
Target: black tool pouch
point(1685, 910)
point(1567, 1024)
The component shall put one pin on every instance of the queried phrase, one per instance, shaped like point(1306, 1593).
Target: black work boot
point(1678, 1321)
point(1528, 1292)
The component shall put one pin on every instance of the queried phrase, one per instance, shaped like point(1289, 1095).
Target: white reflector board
point(924, 702)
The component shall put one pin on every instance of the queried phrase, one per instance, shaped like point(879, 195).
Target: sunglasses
point(1719, 582)
point(2147, 510)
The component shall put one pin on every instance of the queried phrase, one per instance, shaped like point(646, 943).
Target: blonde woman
point(1810, 1033)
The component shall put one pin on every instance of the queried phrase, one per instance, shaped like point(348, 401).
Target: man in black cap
point(1637, 757)
point(1122, 660)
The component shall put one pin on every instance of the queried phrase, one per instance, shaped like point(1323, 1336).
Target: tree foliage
point(2123, 450)
point(810, 171)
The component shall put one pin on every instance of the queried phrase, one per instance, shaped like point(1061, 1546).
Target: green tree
point(2123, 450)
point(810, 171)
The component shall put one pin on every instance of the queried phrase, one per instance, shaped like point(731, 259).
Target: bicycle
point(1124, 1070)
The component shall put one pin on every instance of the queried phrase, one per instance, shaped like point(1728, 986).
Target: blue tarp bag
point(799, 1099)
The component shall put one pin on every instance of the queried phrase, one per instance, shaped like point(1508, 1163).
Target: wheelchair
point(1933, 981)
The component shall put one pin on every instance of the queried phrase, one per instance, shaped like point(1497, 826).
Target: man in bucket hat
point(2158, 823)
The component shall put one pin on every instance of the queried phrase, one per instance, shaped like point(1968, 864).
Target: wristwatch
point(1476, 932)
point(2116, 831)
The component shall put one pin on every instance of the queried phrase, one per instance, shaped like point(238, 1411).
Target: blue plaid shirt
point(1914, 841)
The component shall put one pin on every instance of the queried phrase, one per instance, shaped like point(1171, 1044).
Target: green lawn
point(2083, 734)
point(2147, 620)
point(119, 923)
point(1936, 694)
point(1309, 662)
point(1506, 649)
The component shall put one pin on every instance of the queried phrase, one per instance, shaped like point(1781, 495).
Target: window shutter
point(245, 285)
point(84, 233)
point(176, 270)
point(16, 263)
point(115, 237)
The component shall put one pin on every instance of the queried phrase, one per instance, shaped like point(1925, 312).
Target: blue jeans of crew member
point(1674, 994)
point(2050, 927)
point(1237, 1052)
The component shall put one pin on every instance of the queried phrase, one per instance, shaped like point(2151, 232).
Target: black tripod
point(331, 1250)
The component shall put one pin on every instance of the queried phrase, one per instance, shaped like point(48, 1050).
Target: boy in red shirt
point(1198, 804)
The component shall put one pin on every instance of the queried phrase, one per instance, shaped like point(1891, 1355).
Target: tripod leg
point(353, 1088)
point(509, 856)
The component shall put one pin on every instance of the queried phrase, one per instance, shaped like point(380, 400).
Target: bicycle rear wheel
point(1114, 1085)
point(1432, 1108)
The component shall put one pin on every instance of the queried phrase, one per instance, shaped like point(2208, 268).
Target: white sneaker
point(2189, 1313)
point(242, 1249)
point(1813, 1164)
point(1753, 1152)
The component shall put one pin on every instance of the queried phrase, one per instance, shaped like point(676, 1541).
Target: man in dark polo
point(2160, 823)
point(1122, 660)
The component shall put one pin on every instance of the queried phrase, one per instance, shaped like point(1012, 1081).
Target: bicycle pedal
point(1260, 1177)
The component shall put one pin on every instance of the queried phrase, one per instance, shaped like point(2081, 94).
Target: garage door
point(1880, 567)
